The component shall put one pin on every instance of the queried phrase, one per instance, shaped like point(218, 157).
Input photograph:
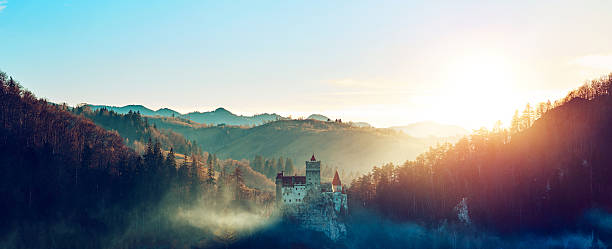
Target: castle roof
point(336, 181)
point(312, 159)
point(289, 181)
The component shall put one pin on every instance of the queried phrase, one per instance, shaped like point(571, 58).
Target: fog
point(218, 221)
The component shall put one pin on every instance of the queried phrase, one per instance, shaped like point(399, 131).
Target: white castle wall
point(293, 195)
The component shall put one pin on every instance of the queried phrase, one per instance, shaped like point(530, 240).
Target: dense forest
point(545, 174)
point(67, 183)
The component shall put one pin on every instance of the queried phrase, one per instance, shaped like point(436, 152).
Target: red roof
point(289, 181)
point(312, 159)
point(336, 181)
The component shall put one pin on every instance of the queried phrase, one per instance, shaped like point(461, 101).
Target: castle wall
point(294, 194)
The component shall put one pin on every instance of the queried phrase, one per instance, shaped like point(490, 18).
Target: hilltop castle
point(293, 190)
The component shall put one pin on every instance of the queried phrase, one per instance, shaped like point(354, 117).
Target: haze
point(392, 63)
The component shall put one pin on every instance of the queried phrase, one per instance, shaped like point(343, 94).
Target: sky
point(388, 63)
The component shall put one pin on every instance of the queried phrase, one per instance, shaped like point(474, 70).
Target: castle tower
point(279, 188)
point(336, 184)
point(313, 175)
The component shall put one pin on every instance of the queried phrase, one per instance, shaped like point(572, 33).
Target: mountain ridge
point(219, 116)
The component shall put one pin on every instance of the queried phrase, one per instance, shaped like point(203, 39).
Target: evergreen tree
point(527, 117)
point(170, 164)
point(238, 183)
point(209, 160)
point(258, 164)
point(279, 166)
point(210, 181)
point(215, 160)
point(195, 178)
point(289, 167)
point(183, 180)
point(515, 125)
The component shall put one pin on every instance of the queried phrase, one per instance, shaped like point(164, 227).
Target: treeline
point(270, 167)
point(190, 180)
point(136, 130)
point(538, 176)
point(67, 183)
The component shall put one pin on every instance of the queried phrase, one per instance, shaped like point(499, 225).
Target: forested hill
point(57, 168)
point(136, 130)
point(339, 145)
point(68, 183)
point(537, 176)
point(216, 117)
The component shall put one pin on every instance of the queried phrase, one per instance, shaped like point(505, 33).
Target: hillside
point(136, 132)
point(431, 129)
point(59, 169)
point(337, 144)
point(547, 176)
point(68, 183)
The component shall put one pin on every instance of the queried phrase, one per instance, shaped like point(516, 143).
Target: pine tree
point(279, 165)
point(210, 181)
point(289, 167)
point(238, 183)
point(527, 117)
point(258, 164)
point(515, 126)
point(195, 178)
point(170, 164)
point(183, 179)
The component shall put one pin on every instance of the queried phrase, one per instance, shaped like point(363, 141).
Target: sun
point(478, 89)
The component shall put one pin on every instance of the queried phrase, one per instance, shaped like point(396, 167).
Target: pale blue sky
point(382, 62)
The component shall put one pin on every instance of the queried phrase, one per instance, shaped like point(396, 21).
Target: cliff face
point(318, 214)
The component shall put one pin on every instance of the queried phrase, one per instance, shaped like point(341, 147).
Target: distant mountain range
point(216, 117)
point(222, 116)
point(431, 129)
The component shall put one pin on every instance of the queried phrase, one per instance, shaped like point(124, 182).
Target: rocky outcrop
point(318, 214)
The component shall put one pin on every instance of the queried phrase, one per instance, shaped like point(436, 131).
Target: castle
point(294, 190)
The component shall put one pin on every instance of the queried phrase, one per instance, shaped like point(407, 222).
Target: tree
point(515, 126)
point(170, 164)
point(279, 166)
point(258, 164)
point(527, 117)
point(238, 183)
point(195, 177)
point(210, 180)
point(183, 180)
point(289, 167)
